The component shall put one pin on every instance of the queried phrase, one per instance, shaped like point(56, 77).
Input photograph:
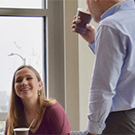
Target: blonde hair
point(16, 116)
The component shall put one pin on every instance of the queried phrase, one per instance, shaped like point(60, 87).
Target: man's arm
point(110, 54)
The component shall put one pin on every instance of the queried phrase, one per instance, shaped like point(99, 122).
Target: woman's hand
point(89, 35)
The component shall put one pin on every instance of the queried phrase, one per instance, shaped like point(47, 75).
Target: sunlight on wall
point(86, 61)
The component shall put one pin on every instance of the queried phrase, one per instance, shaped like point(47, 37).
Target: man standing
point(112, 92)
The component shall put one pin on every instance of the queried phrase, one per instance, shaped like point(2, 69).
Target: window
point(29, 33)
point(35, 4)
point(16, 33)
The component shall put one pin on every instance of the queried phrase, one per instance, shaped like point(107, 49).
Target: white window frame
point(62, 54)
point(54, 43)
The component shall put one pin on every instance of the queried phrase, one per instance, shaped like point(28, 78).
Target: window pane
point(21, 38)
point(2, 127)
point(23, 4)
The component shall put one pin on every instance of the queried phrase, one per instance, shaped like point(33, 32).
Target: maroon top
point(54, 122)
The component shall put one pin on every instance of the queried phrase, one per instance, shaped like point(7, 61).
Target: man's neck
point(106, 4)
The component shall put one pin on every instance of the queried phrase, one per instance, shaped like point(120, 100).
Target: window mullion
point(23, 12)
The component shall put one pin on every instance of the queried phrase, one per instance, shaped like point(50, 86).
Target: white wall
point(78, 66)
point(71, 66)
point(86, 60)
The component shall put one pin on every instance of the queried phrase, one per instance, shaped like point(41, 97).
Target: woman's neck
point(30, 107)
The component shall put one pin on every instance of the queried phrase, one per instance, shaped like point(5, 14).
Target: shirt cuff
point(94, 127)
point(92, 47)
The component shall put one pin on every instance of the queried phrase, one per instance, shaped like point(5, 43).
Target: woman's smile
point(25, 89)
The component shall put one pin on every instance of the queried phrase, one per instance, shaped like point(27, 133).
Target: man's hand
point(89, 36)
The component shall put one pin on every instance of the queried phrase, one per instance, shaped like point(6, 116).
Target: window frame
point(54, 43)
point(62, 76)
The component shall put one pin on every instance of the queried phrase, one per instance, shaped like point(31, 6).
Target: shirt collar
point(127, 4)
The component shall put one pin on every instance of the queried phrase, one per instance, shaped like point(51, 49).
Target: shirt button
point(99, 128)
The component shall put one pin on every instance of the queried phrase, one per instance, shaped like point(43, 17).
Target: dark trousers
point(120, 123)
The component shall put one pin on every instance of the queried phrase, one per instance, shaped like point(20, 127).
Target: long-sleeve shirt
point(113, 80)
